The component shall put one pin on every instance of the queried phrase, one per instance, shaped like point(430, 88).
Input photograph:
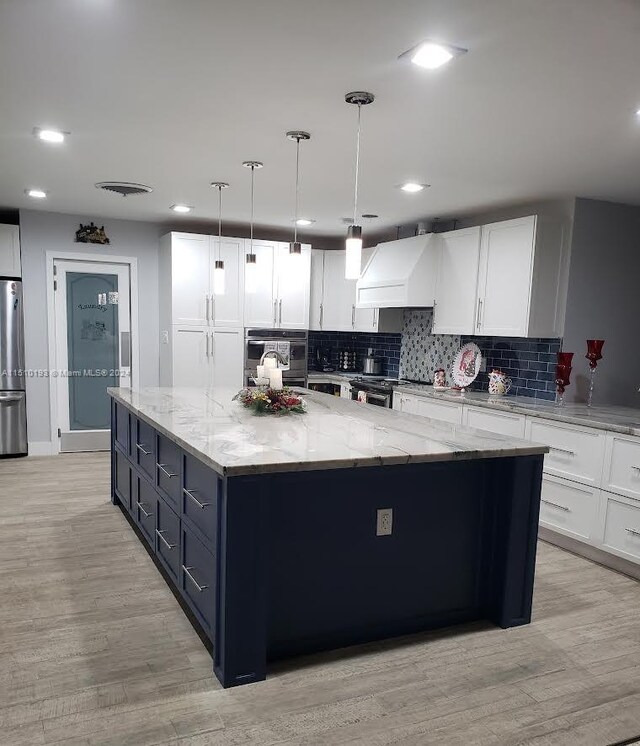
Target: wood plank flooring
point(94, 649)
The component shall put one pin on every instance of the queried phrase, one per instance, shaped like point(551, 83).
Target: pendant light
point(218, 270)
point(295, 247)
point(250, 267)
point(353, 258)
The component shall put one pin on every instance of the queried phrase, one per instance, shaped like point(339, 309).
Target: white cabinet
point(437, 410)
point(203, 357)
point(621, 530)
point(504, 423)
point(226, 358)
point(569, 507)
point(521, 292)
point(281, 297)
point(622, 465)
point(227, 309)
point(333, 298)
point(10, 251)
point(345, 391)
point(454, 310)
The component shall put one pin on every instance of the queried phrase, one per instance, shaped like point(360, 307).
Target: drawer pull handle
point(557, 505)
point(562, 450)
point(140, 447)
point(190, 494)
point(632, 531)
point(164, 471)
point(164, 541)
point(146, 515)
point(193, 580)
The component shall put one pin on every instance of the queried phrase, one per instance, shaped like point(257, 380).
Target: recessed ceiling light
point(305, 221)
point(181, 208)
point(35, 193)
point(411, 186)
point(431, 54)
point(49, 135)
point(638, 113)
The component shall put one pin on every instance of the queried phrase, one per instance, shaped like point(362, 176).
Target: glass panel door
point(93, 349)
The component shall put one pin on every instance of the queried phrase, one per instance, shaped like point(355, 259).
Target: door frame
point(51, 258)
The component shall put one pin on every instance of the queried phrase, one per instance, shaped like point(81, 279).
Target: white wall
point(603, 293)
point(41, 232)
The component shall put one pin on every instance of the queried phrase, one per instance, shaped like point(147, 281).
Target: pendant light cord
point(355, 194)
point(295, 221)
point(253, 168)
point(219, 222)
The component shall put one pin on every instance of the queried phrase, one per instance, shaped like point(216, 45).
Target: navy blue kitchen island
point(268, 527)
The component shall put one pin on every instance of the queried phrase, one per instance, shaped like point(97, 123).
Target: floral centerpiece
point(265, 400)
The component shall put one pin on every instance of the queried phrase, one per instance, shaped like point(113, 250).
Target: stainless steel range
point(378, 390)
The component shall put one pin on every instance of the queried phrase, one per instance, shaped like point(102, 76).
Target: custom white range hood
point(400, 274)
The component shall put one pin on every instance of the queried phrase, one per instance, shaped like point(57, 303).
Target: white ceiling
point(176, 94)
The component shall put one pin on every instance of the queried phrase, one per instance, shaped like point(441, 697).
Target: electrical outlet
point(384, 522)
point(164, 338)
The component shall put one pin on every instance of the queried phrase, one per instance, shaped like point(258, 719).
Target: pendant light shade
point(250, 266)
point(218, 268)
point(353, 260)
point(295, 247)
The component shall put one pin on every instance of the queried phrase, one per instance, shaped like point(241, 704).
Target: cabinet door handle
point(212, 344)
point(275, 311)
point(321, 314)
point(164, 541)
point(190, 494)
point(353, 316)
point(140, 447)
point(199, 587)
point(206, 297)
point(146, 515)
point(562, 450)
point(280, 312)
point(213, 309)
point(557, 505)
point(633, 531)
point(164, 471)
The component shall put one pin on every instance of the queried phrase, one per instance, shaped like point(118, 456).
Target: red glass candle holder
point(565, 358)
point(594, 353)
point(563, 379)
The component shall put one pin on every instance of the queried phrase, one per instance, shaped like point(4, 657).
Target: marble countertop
point(625, 420)
point(334, 433)
point(334, 376)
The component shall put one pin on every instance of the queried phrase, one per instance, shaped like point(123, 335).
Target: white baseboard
point(42, 448)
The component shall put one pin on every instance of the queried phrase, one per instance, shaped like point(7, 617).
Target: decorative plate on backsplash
point(467, 364)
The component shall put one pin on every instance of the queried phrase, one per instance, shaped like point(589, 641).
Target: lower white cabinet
point(622, 465)
point(345, 391)
point(10, 251)
point(437, 410)
point(621, 530)
point(569, 507)
point(202, 357)
point(504, 423)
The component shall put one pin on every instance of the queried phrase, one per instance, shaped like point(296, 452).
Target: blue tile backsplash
point(416, 353)
point(530, 363)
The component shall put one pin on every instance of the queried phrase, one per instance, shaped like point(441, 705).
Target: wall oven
point(291, 343)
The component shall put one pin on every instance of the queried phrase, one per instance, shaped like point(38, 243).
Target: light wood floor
point(94, 649)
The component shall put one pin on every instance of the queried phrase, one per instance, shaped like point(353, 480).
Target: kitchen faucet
point(279, 357)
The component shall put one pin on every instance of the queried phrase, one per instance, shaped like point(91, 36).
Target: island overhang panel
point(277, 559)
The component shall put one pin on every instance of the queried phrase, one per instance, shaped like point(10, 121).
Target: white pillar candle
point(261, 372)
point(275, 378)
point(270, 362)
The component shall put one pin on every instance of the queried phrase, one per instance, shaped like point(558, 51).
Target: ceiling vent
point(123, 188)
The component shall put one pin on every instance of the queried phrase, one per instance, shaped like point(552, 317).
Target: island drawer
point(122, 480)
point(575, 453)
point(144, 444)
point(622, 527)
point(168, 538)
point(122, 428)
point(198, 577)
point(568, 507)
point(145, 509)
point(622, 470)
point(169, 468)
point(200, 498)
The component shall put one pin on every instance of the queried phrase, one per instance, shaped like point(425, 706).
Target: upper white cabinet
point(186, 280)
point(521, 292)
point(281, 297)
point(333, 298)
point(10, 251)
point(454, 309)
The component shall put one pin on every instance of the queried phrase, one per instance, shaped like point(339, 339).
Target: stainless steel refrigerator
point(13, 404)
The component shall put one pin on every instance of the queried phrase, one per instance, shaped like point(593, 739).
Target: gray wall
point(41, 232)
point(604, 282)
